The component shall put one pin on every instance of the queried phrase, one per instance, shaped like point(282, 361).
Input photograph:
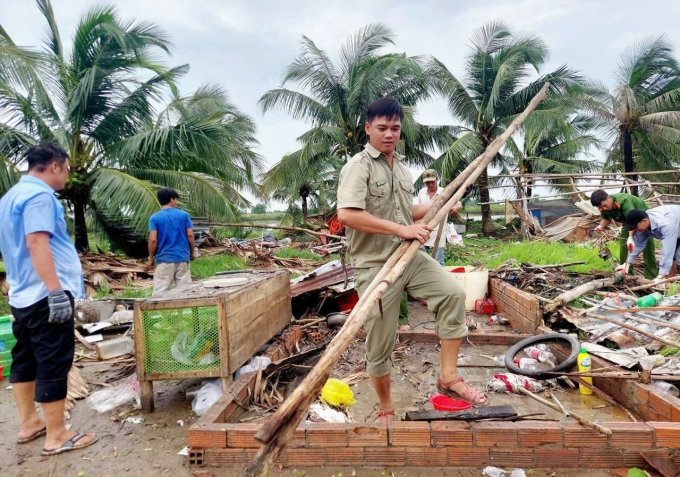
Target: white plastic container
point(475, 281)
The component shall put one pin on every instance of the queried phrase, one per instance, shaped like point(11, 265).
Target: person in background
point(44, 275)
point(616, 207)
point(375, 203)
point(171, 243)
point(661, 223)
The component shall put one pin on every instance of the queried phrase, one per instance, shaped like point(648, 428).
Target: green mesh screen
point(181, 339)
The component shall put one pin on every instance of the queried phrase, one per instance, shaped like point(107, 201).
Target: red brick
point(661, 405)
point(556, 458)
point(410, 434)
point(367, 435)
point(630, 435)
point(539, 434)
point(224, 457)
point(345, 456)
point(633, 458)
point(667, 434)
point(675, 414)
point(495, 434)
point(321, 434)
point(427, 456)
point(469, 456)
point(306, 457)
point(280, 460)
point(298, 439)
point(242, 435)
point(599, 457)
point(385, 456)
point(515, 457)
point(204, 437)
point(641, 397)
point(451, 434)
point(576, 435)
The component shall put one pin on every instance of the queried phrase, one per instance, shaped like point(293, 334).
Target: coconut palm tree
point(496, 88)
point(643, 112)
point(99, 100)
point(333, 97)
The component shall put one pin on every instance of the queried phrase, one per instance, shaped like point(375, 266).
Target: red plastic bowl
point(442, 402)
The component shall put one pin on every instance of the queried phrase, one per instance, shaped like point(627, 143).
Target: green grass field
point(292, 252)
point(204, 267)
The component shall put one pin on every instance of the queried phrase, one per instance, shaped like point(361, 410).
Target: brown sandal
point(385, 416)
point(470, 394)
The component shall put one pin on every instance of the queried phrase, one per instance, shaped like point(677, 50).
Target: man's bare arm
point(152, 242)
point(38, 244)
point(363, 221)
point(190, 237)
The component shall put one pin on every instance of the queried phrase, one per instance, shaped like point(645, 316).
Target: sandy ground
point(150, 448)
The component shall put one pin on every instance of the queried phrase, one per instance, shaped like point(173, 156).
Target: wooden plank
point(187, 303)
point(251, 311)
point(140, 355)
point(146, 395)
point(223, 337)
point(488, 412)
point(245, 343)
point(279, 284)
point(663, 465)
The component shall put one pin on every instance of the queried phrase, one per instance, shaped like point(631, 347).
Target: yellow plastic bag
point(337, 393)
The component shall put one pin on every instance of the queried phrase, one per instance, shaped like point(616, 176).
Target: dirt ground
point(150, 448)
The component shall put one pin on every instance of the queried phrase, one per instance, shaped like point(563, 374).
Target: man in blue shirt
point(171, 243)
point(44, 275)
point(662, 223)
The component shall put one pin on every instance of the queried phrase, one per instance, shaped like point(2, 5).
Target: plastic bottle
point(668, 388)
point(584, 366)
point(540, 353)
point(526, 363)
point(649, 300)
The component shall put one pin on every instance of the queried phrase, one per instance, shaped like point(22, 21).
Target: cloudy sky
point(245, 45)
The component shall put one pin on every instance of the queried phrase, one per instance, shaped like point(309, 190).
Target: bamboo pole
point(277, 227)
point(593, 175)
point(435, 247)
point(581, 420)
point(280, 427)
point(655, 283)
point(571, 295)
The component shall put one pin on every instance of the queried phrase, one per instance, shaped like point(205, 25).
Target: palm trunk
point(487, 223)
point(80, 227)
point(304, 209)
point(628, 164)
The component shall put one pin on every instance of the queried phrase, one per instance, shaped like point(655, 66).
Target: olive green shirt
point(367, 183)
point(626, 203)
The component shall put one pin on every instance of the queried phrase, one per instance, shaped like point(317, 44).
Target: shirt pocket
point(407, 186)
point(378, 198)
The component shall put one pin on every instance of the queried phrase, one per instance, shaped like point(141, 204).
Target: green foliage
point(222, 233)
point(493, 252)
point(131, 292)
point(102, 101)
point(259, 209)
point(208, 266)
point(292, 252)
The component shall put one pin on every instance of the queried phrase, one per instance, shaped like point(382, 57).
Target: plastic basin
point(441, 402)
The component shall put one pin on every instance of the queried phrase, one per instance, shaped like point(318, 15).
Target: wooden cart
point(203, 331)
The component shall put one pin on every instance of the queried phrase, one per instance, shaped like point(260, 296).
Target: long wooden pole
point(582, 420)
point(647, 286)
point(276, 432)
point(623, 324)
point(571, 295)
point(277, 227)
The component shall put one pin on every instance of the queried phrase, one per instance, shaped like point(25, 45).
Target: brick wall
point(450, 443)
point(522, 309)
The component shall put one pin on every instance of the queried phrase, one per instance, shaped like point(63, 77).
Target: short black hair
point(385, 106)
point(42, 155)
point(634, 217)
point(597, 197)
point(166, 194)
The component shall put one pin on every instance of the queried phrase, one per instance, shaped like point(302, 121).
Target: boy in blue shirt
point(44, 275)
point(171, 243)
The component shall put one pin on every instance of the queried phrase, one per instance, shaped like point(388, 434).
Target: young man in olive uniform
point(616, 207)
point(375, 195)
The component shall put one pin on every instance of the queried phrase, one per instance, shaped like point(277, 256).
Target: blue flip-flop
point(70, 445)
point(32, 437)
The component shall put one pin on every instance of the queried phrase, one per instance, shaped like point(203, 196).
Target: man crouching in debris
point(662, 223)
point(44, 274)
point(375, 196)
point(616, 207)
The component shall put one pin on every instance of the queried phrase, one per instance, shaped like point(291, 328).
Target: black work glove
point(61, 309)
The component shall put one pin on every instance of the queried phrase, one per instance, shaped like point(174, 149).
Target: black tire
point(565, 365)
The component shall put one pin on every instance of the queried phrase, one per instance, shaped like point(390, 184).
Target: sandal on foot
point(473, 396)
point(32, 437)
point(71, 444)
point(385, 416)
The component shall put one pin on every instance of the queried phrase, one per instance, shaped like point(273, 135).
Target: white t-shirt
point(424, 198)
